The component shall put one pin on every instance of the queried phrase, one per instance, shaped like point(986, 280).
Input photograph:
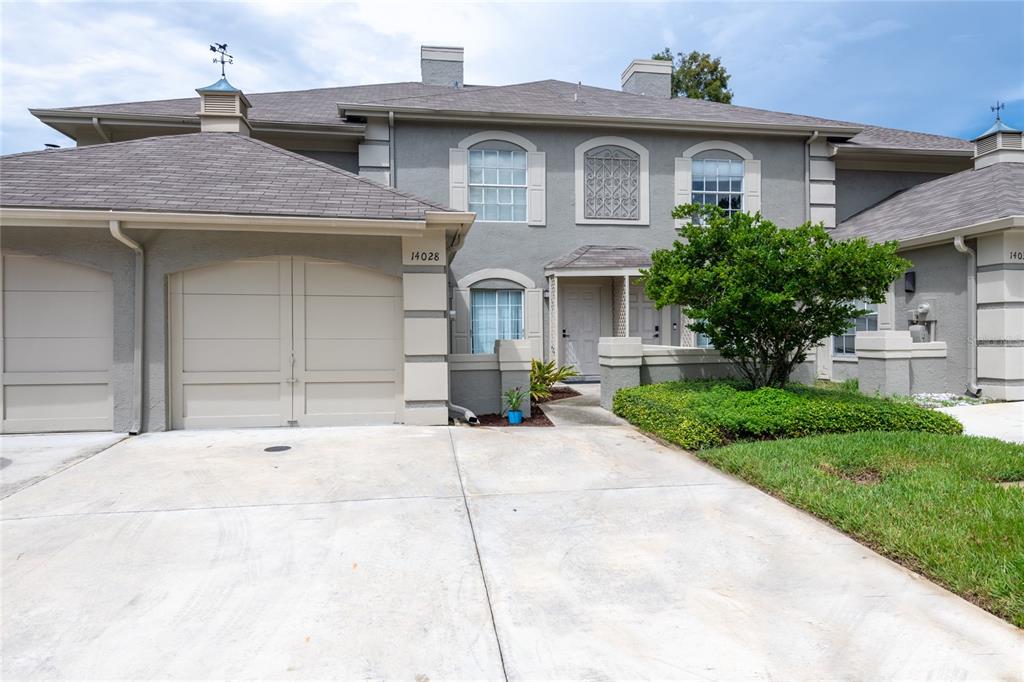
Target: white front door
point(644, 319)
point(581, 326)
point(284, 340)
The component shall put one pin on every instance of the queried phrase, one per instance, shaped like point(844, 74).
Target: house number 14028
point(426, 256)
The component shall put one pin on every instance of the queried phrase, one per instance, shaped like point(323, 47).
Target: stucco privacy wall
point(167, 252)
point(421, 152)
point(97, 249)
point(941, 281)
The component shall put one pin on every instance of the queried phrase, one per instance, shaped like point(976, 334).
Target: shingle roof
point(296, 106)
point(948, 203)
point(320, 106)
point(596, 256)
point(222, 173)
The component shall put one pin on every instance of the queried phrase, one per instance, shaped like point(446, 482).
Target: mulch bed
point(536, 418)
point(560, 393)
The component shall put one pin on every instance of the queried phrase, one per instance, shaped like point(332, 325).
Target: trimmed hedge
point(704, 414)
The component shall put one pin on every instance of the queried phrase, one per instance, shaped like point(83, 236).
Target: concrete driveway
point(463, 553)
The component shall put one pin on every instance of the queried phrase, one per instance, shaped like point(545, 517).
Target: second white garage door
point(285, 340)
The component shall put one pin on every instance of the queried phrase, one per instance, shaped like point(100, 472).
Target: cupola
point(998, 144)
point(223, 108)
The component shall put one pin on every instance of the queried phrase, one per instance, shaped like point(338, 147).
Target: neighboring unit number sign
point(1017, 255)
point(425, 256)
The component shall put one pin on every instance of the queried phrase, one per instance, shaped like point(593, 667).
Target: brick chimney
point(650, 77)
point(441, 65)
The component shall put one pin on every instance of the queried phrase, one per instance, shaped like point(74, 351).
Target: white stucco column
point(425, 332)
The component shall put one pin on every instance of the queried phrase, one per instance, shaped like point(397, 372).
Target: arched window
point(612, 182)
point(718, 180)
point(497, 182)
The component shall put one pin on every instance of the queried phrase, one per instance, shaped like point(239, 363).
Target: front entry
point(581, 326)
point(645, 320)
point(284, 341)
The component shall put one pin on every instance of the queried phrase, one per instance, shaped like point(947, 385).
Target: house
point(306, 257)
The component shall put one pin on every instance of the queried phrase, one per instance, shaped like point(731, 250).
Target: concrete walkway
point(463, 553)
point(1004, 421)
point(582, 410)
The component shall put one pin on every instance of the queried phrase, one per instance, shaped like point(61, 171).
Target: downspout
point(140, 264)
point(807, 174)
point(972, 315)
point(392, 180)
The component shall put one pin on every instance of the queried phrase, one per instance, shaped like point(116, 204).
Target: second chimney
point(651, 77)
point(441, 65)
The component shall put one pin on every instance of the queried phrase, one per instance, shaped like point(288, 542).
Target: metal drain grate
point(277, 448)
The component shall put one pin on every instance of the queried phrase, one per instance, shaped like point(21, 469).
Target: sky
point(926, 66)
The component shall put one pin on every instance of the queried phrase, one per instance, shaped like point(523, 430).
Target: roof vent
point(441, 65)
point(223, 108)
point(651, 77)
point(1000, 143)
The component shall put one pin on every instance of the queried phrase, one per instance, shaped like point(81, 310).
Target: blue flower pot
point(515, 417)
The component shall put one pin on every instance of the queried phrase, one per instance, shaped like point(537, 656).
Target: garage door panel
point(240, 277)
point(66, 314)
point(231, 355)
point(357, 399)
point(224, 316)
point(234, 400)
point(347, 280)
point(57, 355)
point(351, 317)
point(57, 345)
point(350, 354)
point(32, 273)
point(58, 402)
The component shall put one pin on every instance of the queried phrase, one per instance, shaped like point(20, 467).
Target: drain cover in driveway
point(277, 448)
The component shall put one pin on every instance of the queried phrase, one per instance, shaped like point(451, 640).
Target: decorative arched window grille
point(611, 183)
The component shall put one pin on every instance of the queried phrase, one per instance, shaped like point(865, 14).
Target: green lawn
point(929, 501)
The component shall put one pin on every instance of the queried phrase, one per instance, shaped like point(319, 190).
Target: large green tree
point(698, 75)
point(767, 295)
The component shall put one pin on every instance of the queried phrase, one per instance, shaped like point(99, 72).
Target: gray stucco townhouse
point(352, 254)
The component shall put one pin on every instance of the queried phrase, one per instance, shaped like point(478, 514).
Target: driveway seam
point(115, 512)
point(64, 468)
point(479, 560)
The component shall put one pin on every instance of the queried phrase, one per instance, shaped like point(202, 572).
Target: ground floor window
point(845, 344)
point(497, 314)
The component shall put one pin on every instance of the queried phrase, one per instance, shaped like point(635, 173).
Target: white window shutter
point(458, 174)
point(533, 321)
point(461, 323)
point(536, 200)
point(683, 184)
point(752, 186)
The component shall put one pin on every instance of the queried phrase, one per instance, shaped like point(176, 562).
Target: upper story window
point(611, 184)
point(845, 344)
point(497, 184)
point(718, 181)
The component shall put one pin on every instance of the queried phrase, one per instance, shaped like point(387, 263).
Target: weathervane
point(997, 108)
point(221, 49)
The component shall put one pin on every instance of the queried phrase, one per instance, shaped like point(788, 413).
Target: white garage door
point(285, 340)
point(57, 321)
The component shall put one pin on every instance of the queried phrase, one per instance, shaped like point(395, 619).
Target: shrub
point(702, 414)
point(544, 375)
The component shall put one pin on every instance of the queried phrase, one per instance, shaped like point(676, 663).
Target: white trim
point(661, 67)
point(713, 145)
point(496, 273)
point(645, 193)
point(593, 272)
point(441, 53)
point(502, 135)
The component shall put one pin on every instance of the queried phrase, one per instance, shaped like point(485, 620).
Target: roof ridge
point(335, 169)
point(455, 91)
point(91, 146)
